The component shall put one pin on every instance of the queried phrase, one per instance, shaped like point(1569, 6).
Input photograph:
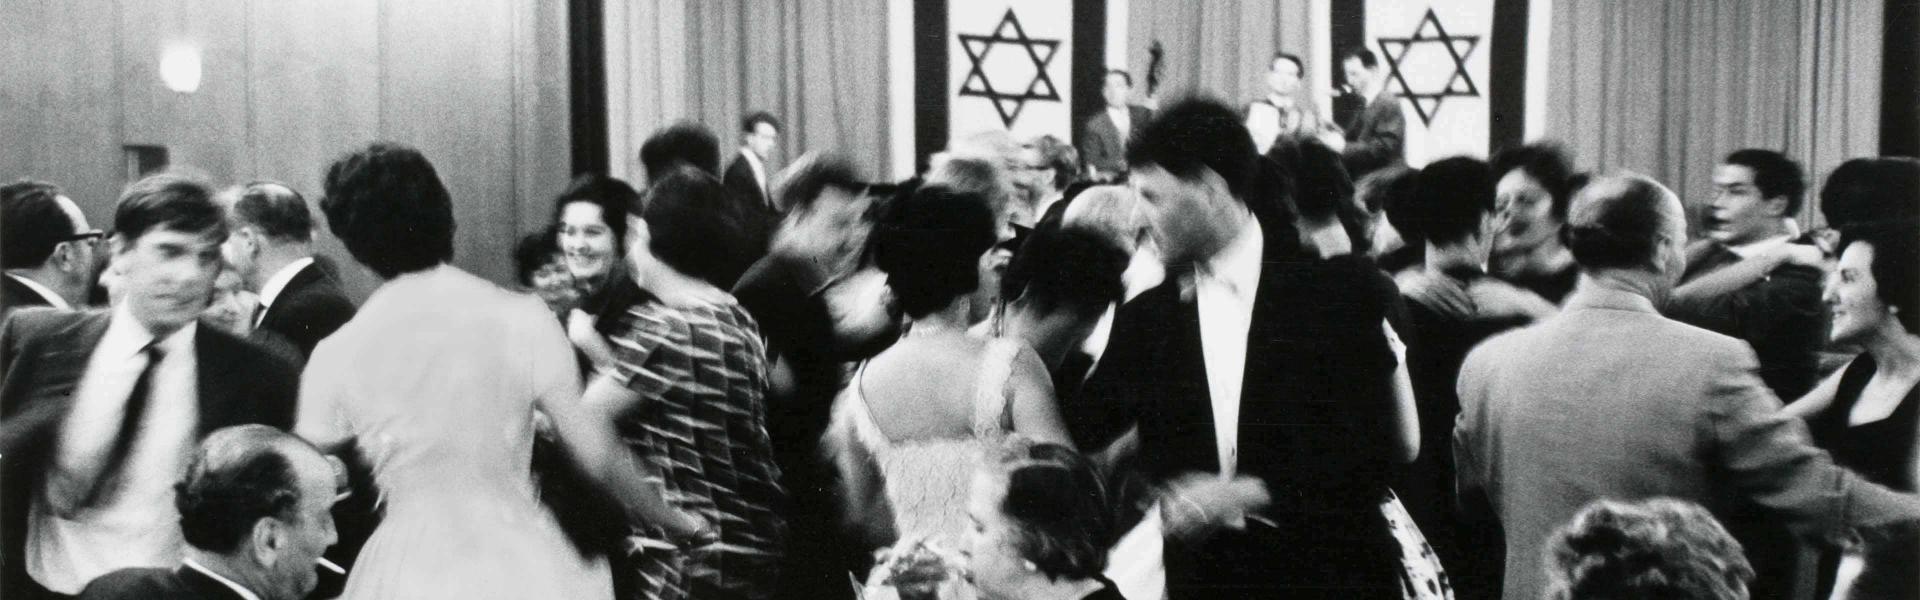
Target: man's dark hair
point(1289, 57)
point(1453, 197)
point(683, 143)
point(534, 251)
point(1615, 223)
point(1775, 175)
point(1066, 268)
point(1057, 505)
point(31, 223)
point(754, 119)
point(387, 204)
point(239, 475)
point(612, 195)
point(276, 209)
point(1195, 134)
point(1864, 190)
point(689, 225)
point(1896, 265)
point(1123, 75)
point(1547, 164)
point(1365, 56)
point(812, 178)
point(170, 201)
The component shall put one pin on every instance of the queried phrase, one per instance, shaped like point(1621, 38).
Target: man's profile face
point(1357, 74)
point(1283, 77)
point(762, 139)
point(1184, 213)
point(311, 533)
point(86, 251)
point(1739, 214)
point(166, 275)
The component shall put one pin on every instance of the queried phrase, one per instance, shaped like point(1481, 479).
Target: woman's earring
point(1030, 565)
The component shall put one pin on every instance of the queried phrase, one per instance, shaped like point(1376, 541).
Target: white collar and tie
point(1225, 286)
point(276, 284)
point(759, 172)
point(238, 589)
point(1122, 117)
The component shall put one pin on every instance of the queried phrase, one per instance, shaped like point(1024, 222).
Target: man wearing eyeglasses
point(49, 252)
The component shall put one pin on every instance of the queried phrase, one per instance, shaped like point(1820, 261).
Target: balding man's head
point(257, 501)
point(1626, 222)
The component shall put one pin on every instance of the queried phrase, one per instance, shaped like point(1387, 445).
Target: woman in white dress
point(436, 380)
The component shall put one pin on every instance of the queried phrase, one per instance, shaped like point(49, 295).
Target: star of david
point(1460, 47)
point(1009, 104)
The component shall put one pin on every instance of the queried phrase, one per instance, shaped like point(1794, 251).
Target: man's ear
point(1777, 206)
point(1215, 184)
point(118, 244)
point(267, 538)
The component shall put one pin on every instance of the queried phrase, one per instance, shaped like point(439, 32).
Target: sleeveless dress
point(927, 482)
point(434, 380)
point(1882, 452)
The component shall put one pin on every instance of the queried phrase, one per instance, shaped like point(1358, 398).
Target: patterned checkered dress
point(701, 424)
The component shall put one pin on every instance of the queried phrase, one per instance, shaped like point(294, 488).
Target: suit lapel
point(217, 356)
point(307, 275)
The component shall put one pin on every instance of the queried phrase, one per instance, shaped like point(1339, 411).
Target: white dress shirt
point(139, 526)
point(1224, 288)
point(1756, 248)
point(238, 589)
point(53, 299)
point(1122, 121)
point(276, 284)
point(759, 172)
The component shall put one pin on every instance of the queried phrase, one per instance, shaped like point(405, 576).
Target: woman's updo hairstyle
point(929, 244)
point(1057, 505)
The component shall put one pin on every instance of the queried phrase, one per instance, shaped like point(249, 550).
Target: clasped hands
point(1196, 505)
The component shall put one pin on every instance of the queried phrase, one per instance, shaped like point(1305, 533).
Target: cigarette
point(328, 565)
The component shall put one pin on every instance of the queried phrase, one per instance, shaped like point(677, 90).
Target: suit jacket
point(179, 583)
point(14, 294)
point(753, 211)
point(308, 310)
point(44, 354)
point(1101, 146)
point(1313, 426)
point(1609, 399)
point(1783, 317)
point(1377, 138)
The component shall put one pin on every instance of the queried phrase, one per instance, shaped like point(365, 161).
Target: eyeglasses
point(91, 236)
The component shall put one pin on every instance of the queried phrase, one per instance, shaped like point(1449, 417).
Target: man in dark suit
point(1377, 137)
point(271, 246)
point(1103, 141)
point(1609, 399)
point(748, 176)
point(1775, 305)
point(50, 254)
point(254, 509)
point(99, 409)
point(1258, 380)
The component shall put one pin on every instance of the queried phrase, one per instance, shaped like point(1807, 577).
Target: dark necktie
point(104, 486)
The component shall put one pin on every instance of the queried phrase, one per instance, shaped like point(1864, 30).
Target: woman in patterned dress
point(687, 392)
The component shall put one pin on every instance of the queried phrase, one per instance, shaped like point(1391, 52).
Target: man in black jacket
point(272, 249)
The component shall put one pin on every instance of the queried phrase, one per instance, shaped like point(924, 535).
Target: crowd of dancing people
point(1206, 351)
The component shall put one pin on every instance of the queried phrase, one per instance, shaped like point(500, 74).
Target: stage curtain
point(1669, 88)
point(819, 66)
point(1219, 48)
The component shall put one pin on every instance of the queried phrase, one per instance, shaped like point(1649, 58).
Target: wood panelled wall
point(479, 86)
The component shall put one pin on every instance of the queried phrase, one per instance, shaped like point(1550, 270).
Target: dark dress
point(1882, 452)
point(701, 424)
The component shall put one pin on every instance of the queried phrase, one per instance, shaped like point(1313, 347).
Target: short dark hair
point(1775, 175)
point(32, 224)
point(278, 210)
point(685, 143)
point(813, 176)
point(1620, 230)
point(238, 476)
point(536, 250)
point(687, 220)
point(1547, 164)
point(1289, 57)
point(1453, 197)
point(387, 205)
point(1317, 182)
point(1199, 133)
point(1658, 548)
point(168, 200)
point(612, 195)
point(755, 118)
point(1362, 54)
point(1122, 73)
point(929, 245)
point(1872, 189)
point(1057, 503)
point(1896, 264)
point(1390, 191)
point(1066, 268)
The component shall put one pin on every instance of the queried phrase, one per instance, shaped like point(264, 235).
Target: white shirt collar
point(278, 282)
point(53, 299)
point(1238, 264)
point(231, 584)
point(1752, 249)
point(126, 336)
point(759, 168)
